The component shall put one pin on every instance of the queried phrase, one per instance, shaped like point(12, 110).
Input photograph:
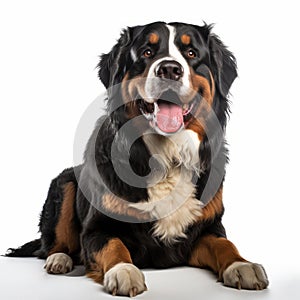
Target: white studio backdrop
point(48, 54)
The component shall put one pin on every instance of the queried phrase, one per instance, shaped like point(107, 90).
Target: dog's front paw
point(58, 263)
point(124, 279)
point(246, 275)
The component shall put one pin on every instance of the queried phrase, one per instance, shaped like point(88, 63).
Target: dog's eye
point(148, 53)
point(191, 53)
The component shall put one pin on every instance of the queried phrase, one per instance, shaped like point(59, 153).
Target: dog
point(149, 192)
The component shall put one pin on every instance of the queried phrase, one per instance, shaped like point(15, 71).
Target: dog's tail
point(27, 250)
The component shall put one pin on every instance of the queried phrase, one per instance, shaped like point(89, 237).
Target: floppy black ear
point(223, 64)
point(113, 65)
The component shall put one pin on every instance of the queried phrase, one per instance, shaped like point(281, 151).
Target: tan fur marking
point(113, 253)
point(185, 39)
point(215, 206)
point(153, 38)
point(130, 89)
point(196, 126)
point(214, 253)
point(67, 235)
point(119, 206)
point(201, 83)
point(197, 123)
point(134, 86)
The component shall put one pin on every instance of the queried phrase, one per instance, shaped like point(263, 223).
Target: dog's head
point(166, 71)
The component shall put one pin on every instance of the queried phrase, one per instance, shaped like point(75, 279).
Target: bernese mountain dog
point(149, 192)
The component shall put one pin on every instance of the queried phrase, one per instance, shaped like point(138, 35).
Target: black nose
point(170, 70)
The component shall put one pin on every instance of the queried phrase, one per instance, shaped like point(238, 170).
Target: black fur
point(27, 250)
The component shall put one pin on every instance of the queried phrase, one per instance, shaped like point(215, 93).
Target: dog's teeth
point(156, 108)
point(185, 107)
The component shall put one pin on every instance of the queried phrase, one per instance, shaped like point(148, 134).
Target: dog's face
point(167, 71)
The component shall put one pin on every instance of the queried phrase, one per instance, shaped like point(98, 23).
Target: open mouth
point(167, 115)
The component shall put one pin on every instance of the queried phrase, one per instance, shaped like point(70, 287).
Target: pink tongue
point(169, 118)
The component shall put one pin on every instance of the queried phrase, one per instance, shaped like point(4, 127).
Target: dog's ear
point(223, 64)
point(113, 65)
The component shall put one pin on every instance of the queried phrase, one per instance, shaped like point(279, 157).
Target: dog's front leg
point(108, 262)
point(220, 255)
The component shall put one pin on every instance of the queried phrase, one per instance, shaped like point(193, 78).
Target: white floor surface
point(24, 278)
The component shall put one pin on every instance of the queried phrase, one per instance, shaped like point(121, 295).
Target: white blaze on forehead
point(177, 56)
point(173, 54)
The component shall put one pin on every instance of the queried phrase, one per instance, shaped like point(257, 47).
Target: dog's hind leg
point(66, 241)
point(59, 224)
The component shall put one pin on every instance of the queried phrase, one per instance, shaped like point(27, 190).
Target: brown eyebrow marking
point(185, 39)
point(153, 38)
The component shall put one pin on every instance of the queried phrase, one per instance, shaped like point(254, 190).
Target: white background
point(48, 54)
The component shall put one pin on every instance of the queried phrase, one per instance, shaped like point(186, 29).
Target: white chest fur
point(172, 201)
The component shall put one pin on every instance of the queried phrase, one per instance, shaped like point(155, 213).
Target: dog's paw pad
point(58, 263)
point(124, 279)
point(245, 275)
